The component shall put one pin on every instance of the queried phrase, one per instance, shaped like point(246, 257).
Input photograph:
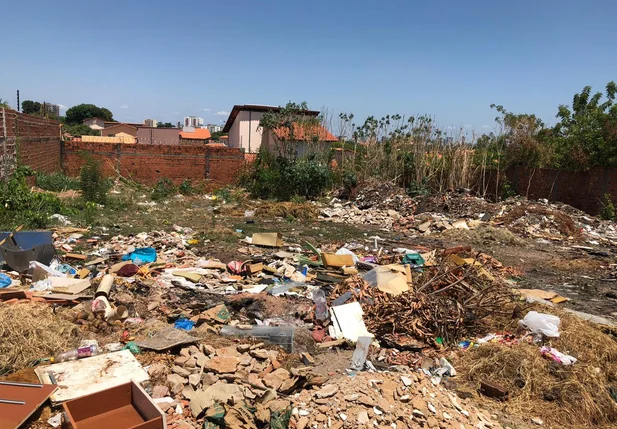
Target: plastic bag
point(346, 251)
point(5, 281)
point(144, 255)
point(184, 324)
point(542, 323)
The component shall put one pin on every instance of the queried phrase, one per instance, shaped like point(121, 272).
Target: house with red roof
point(195, 135)
point(305, 135)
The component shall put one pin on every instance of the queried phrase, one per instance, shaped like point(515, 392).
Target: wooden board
point(91, 375)
point(13, 416)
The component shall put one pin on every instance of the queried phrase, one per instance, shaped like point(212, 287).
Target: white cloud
point(486, 126)
point(175, 113)
point(124, 106)
point(62, 106)
point(468, 126)
point(207, 110)
point(222, 113)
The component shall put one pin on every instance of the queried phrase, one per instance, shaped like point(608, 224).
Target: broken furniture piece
point(18, 401)
point(126, 406)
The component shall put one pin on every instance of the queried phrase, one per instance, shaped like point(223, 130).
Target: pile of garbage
point(449, 299)
point(554, 221)
point(247, 343)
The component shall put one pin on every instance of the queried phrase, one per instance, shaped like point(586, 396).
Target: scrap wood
point(447, 303)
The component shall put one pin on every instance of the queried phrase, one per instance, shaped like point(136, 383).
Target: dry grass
point(29, 332)
point(305, 211)
point(565, 396)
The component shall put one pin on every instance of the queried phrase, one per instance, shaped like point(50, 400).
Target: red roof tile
point(198, 134)
point(307, 132)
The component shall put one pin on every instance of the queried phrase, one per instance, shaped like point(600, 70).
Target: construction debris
point(281, 332)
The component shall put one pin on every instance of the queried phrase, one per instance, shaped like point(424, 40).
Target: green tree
point(586, 134)
point(4, 104)
point(291, 124)
point(217, 135)
point(164, 125)
point(76, 114)
point(81, 130)
point(31, 107)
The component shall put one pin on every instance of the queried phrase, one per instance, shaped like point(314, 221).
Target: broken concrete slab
point(166, 339)
point(222, 364)
point(218, 392)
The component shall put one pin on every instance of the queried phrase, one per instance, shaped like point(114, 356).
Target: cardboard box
point(269, 239)
point(126, 406)
point(332, 260)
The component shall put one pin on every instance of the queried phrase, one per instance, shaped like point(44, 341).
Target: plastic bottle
point(75, 354)
point(321, 308)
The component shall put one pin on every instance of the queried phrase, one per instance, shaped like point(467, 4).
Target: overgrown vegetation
point(277, 177)
point(417, 155)
point(608, 212)
point(186, 187)
point(19, 205)
point(164, 188)
point(56, 182)
point(93, 185)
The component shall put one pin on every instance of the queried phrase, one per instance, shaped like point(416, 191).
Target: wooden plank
point(91, 375)
point(76, 256)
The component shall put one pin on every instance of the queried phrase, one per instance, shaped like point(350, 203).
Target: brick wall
point(148, 163)
point(28, 140)
point(583, 190)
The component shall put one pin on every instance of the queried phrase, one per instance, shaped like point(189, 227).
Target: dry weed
point(566, 396)
point(30, 332)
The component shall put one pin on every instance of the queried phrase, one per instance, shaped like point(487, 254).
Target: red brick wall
point(583, 190)
point(148, 163)
point(34, 140)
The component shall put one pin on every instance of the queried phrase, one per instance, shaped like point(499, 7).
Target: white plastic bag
point(542, 323)
point(346, 251)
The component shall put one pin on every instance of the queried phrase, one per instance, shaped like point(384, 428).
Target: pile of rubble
point(224, 343)
point(219, 386)
point(400, 400)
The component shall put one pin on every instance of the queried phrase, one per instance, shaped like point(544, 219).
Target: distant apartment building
point(150, 122)
point(214, 128)
point(51, 109)
point(193, 121)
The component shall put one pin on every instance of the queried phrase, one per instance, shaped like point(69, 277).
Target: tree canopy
point(585, 135)
point(79, 130)
point(76, 114)
point(31, 107)
point(164, 125)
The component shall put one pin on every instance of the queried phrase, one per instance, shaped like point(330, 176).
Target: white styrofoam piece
point(347, 322)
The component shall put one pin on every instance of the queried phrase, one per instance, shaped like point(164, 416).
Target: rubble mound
point(386, 400)
point(458, 204)
point(384, 196)
point(535, 219)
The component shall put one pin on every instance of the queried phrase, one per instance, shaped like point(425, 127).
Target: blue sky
point(450, 59)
